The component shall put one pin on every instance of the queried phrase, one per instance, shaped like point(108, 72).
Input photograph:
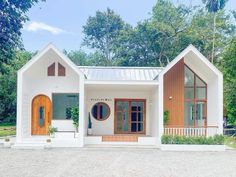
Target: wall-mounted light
point(170, 97)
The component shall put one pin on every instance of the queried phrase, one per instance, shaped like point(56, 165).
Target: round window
point(100, 111)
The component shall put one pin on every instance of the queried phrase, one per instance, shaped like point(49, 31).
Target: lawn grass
point(230, 141)
point(7, 130)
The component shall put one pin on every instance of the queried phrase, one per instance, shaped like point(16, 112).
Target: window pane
point(41, 116)
point(122, 105)
point(189, 93)
point(140, 116)
point(119, 121)
point(62, 104)
point(100, 111)
point(200, 93)
point(200, 113)
point(188, 77)
point(199, 82)
point(133, 116)
point(140, 127)
point(139, 105)
point(189, 113)
point(133, 127)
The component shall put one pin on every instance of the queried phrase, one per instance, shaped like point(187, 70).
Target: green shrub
point(166, 117)
point(177, 139)
point(75, 117)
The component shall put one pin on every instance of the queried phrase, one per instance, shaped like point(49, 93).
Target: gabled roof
point(120, 73)
point(44, 51)
point(187, 50)
point(97, 73)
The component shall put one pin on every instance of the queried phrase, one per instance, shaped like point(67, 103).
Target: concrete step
point(64, 143)
point(119, 138)
point(120, 146)
point(65, 135)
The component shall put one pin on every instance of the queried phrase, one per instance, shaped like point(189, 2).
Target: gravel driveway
point(122, 162)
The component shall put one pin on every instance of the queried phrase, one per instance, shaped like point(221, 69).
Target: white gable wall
point(36, 81)
point(214, 93)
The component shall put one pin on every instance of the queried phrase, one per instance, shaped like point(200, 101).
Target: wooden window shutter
point(51, 70)
point(61, 70)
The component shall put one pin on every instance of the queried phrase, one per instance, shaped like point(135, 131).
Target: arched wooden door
point(41, 115)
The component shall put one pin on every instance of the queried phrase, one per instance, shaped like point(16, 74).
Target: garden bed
point(188, 143)
point(192, 147)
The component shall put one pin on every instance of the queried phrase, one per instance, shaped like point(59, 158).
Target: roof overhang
point(125, 82)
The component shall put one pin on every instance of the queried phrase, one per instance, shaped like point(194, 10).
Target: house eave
point(123, 82)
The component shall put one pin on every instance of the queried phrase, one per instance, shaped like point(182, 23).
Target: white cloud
point(40, 26)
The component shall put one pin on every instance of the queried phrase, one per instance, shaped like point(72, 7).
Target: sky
point(61, 22)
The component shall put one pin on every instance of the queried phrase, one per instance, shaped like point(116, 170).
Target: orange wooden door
point(41, 115)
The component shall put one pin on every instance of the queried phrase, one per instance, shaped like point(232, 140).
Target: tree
point(79, 57)
point(101, 33)
point(200, 32)
point(171, 21)
point(228, 66)
point(12, 17)
point(154, 42)
point(139, 46)
point(8, 86)
point(213, 6)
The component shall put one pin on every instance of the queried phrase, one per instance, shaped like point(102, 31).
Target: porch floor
point(120, 138)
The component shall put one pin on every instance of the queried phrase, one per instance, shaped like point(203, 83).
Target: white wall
point(214, 90)
point(154, 114)
point(106, 127)
point(36, 81)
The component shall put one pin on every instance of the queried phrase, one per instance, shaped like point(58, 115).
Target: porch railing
point(200, 131)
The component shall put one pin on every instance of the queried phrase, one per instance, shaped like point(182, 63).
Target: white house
point(126, 104)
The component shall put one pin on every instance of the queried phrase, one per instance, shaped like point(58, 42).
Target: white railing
point(183, 131)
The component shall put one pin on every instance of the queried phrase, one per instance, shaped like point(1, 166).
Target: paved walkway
point(117, 162)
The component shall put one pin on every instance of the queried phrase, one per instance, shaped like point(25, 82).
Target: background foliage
point(112, 41)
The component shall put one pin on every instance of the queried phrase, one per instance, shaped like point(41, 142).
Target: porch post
point(19, 108)
point(81, 111)
point(160, 109)
point(220, 104)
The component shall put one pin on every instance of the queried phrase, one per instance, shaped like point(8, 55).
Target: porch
point(121, 113)
point(120, 139)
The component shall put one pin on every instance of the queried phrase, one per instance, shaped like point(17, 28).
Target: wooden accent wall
point(174, 87)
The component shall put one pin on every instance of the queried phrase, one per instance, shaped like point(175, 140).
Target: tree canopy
point(228, 66)
point(112, 41)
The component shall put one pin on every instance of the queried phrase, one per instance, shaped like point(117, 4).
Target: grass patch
point(7, 130)
point(230, 141)
point(7, 124)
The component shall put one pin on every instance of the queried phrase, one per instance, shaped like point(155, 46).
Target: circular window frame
point(108, 114)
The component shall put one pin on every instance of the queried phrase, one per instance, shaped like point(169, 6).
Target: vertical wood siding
point(174, 87)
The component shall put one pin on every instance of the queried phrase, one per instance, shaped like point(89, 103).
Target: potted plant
point(51, 131)
point(7, 143)
point(166, 117)
point(90, 132)
point(75, 118)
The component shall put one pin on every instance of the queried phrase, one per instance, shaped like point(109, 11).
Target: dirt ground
point(117, 162)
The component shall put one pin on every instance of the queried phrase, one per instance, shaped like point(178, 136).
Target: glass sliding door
point(129, 116)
